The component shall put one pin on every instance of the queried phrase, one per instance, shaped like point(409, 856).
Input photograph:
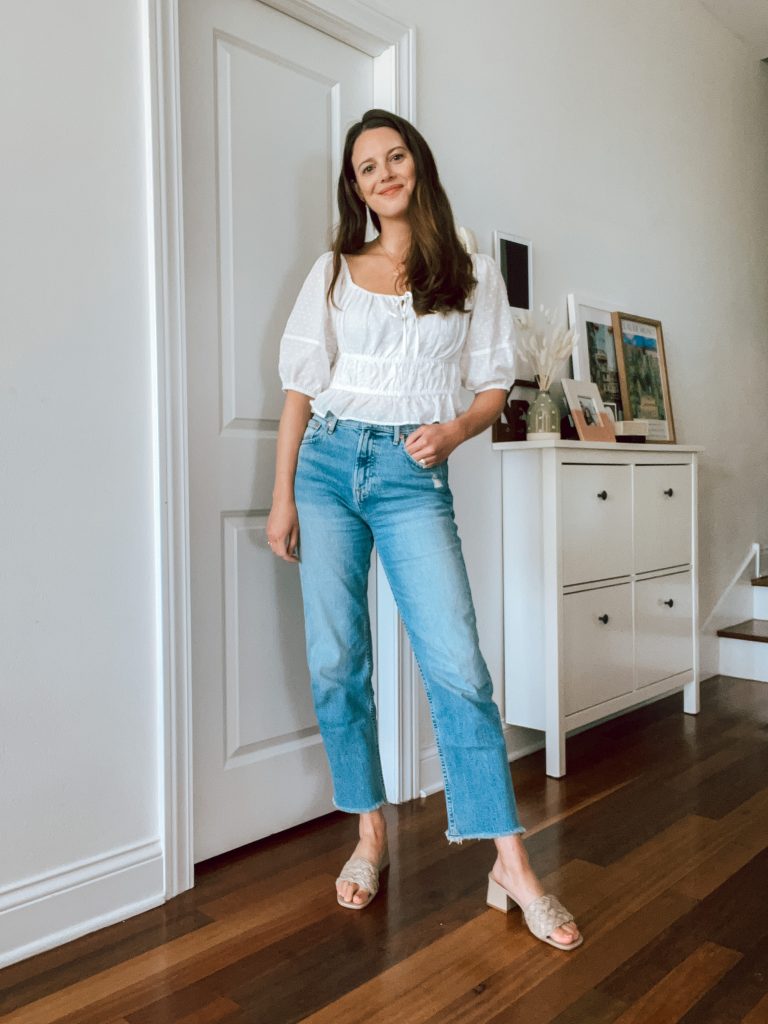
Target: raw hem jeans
point(355, 485)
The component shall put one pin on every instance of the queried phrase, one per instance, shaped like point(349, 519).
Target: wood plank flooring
point(656, 839)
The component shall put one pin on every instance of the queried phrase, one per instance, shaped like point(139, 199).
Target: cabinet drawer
point(596, 514)
point(663, 627)
point(597, 657)
point(662, 517)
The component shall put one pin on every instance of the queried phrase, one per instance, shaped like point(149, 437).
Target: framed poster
point(514, 256)
point(643, 374)
point(594, 357)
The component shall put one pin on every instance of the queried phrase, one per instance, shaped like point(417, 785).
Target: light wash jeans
point(355, 485)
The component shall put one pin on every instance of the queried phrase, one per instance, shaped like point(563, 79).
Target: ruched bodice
point(374, 359)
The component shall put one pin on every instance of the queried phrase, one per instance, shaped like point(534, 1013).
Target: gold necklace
point(397, 264)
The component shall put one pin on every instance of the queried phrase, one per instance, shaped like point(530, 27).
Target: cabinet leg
point(555, 753)
point(691, 703)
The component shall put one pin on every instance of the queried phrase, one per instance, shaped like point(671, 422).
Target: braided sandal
point(542, 915)
point(363, 874)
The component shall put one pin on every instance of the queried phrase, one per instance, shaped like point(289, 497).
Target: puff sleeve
point(488, 354)
point(308, 345)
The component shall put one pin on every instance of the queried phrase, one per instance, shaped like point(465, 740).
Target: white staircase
point(744, 646)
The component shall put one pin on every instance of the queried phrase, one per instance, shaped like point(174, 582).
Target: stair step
point(760, 581)
point(752, 629)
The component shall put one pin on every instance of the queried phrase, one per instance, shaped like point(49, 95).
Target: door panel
point(265, 101)
point(264, 170)
point(258, 715)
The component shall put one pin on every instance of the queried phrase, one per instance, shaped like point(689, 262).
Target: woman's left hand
point(434, 442)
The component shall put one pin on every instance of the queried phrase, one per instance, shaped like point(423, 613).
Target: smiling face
point(385, 174)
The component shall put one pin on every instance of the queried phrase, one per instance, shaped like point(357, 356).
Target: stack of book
point(632, 431)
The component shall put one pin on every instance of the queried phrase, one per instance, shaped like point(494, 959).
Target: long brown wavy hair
point(437, 268)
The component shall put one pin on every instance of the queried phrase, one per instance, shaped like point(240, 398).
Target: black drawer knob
point(669, 603)
point(603, 618)
point(669, 492)
point(603, 495)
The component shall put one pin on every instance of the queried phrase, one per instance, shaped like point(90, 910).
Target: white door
point(265, 101)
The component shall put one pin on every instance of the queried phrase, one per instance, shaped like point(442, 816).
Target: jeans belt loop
point(396, 434)
point(332, 421)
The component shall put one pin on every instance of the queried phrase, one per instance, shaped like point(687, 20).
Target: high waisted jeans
point(355, 485)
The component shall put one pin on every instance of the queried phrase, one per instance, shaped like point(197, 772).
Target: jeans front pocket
point(313, 431)
point(439, 467)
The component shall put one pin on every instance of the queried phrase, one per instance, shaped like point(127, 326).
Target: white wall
point(627, 140)
point(78, 690)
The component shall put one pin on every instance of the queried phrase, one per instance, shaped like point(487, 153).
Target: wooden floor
point(657, 840)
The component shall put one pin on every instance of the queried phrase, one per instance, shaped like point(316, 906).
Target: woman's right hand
point(283, 529)
point(283, 521)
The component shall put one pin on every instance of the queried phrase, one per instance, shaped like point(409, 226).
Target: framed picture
point(514, 256)
point(587, 411)
point(594, 357)
point(643, 374)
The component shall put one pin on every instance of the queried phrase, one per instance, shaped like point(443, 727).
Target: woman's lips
point(391, 191)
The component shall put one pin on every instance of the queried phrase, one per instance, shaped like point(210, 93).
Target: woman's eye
point(368, 167)
point(398, 156)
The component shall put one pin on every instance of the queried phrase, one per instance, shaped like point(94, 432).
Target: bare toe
point(566, 933)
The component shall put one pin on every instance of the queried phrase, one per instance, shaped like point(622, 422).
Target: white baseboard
point(743, 659)
point(40, 913)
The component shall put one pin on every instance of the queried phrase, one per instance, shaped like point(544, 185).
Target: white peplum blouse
point(373, 359)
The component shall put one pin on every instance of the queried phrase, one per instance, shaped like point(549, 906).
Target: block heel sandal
point(542, 915)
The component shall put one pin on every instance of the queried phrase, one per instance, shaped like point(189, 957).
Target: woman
point(381, 338)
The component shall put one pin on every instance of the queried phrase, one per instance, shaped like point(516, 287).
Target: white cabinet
point(600, 582)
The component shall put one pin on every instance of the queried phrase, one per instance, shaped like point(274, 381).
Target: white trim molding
point(172, 485)
point(50, 909)
point(391, 44)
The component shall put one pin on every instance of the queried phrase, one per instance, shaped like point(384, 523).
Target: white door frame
point(391, 44)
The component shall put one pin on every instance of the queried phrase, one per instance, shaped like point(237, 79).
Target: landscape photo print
point(594, 357)
point(643, 374)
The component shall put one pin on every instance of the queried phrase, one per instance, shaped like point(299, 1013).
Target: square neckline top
point(383, 295)
point(367, 356)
